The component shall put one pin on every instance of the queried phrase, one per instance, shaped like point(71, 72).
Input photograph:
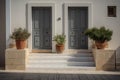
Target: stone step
point(64, 58)
point(40, 57)
point(65, 54)
point(60, 68)
point(44, 64)
point(61, 61)
point(78, 51)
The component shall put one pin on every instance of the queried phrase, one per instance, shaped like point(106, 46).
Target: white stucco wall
point(99, 15)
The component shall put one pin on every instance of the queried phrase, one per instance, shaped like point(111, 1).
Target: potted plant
point(60, 41)
point(100, 35)
point(20, 35)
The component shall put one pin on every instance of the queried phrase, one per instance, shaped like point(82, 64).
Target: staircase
point(78, 61)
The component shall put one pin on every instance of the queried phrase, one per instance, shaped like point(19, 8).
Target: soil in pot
point(59, 48)
point(101, 45)
point(20, 44)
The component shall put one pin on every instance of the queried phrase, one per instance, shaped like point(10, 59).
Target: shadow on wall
point(118, 58)
point(2, 33)
point(109, 64)
point(118, 50)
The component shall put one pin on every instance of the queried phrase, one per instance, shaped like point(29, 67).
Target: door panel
point(42, 28)
point(78, 23)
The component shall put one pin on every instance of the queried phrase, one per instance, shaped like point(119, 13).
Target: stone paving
point(83, 75)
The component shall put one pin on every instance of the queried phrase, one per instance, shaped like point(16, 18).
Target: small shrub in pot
point(100, 35)
point(60, 41)
point(20, 35)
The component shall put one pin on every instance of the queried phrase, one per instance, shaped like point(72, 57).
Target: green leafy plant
point(60, 39)
point(20, 34)
point(99, 34)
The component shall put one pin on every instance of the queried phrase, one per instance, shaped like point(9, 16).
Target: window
point(111, 11)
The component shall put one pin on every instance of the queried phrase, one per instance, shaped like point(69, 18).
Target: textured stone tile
point(57, 76)
point(16, 59)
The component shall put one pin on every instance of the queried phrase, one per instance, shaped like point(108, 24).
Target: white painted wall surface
point(99, 15)
point(8, 22)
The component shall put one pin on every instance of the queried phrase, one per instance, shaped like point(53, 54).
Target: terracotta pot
point(59, 48)
point(101, 45)
point(20, 44)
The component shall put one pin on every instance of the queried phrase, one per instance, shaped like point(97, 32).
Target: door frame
point(66, 5)
point(29, 20)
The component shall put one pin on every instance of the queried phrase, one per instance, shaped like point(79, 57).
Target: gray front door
point(42, 28)
point(77, 23)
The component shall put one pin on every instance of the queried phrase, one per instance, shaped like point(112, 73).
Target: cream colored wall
point(99, 15)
